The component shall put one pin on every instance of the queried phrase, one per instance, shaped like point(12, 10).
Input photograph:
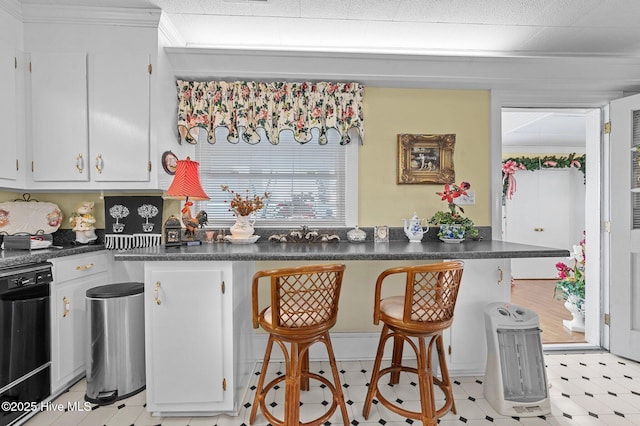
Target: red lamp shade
point(186, 181)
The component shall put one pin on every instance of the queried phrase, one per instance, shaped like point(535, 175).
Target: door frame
point(500, 99)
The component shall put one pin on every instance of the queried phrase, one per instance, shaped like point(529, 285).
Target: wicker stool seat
point(417, 318)
point(304, 306)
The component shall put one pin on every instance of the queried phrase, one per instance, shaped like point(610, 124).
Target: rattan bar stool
point(423, 312)
point(304, 306)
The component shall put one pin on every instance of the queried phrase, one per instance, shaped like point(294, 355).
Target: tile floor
point(594, 388)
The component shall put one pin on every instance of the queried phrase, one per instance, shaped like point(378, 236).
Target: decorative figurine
point(83, 223)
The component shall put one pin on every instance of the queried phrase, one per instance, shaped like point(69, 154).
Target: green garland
point(552, 162)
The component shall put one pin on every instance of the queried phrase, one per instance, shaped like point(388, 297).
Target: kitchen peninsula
point(199, 337)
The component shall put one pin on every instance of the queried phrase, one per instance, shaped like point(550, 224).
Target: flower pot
point(118, 227)
point(243, 228)
point(451, 232)
point(577, 321)
point(147, 227)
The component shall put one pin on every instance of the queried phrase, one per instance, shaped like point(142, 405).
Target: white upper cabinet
point(9, 162)
point(59, 126)
point(90, 120)
point(119, 117)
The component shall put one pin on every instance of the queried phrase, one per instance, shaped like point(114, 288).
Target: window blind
point(306, 182)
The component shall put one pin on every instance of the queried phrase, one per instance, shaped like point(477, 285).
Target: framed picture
point(425, 158)
point(381, 234)
point(169, 162)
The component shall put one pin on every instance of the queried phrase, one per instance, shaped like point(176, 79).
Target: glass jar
point(356, 235)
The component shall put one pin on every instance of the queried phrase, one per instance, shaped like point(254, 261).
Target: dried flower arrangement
point(244, 205)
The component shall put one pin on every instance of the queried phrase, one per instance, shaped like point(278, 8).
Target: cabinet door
point(8, 115)
point(59, 119)
point(70, 328)
point(483, 282)
point(547, 210)
point(185, 344)
point(119, 111)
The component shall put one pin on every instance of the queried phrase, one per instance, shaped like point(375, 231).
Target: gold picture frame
point(425, 158)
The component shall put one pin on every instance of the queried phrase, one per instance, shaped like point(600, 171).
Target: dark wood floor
point(537, 295)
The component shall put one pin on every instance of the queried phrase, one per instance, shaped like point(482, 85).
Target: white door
point(547, 210)
point(8, 116)
point(119, 111)
point(624, 296)
point(59, 117)
point(185, 344)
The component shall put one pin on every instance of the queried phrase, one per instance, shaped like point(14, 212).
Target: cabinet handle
point(80, 163)
point(84, 267)
point(99, 163)
point(500, 275)
point(155, 293)
point(538, 229)
point(67, 307)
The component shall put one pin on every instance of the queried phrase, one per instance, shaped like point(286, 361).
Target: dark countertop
point(21, 257)
point(393, 250)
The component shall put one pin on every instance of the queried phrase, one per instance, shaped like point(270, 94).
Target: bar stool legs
point(296, 379)
point(304, 306)
point(428, 413)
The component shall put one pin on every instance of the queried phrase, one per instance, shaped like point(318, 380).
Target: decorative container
point(356, 235)
point(451, 233)
point(243, 228)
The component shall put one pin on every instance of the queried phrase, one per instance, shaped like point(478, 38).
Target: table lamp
point(185, 186)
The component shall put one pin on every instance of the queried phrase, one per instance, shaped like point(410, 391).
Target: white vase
point(243, 228)
point(577, 321)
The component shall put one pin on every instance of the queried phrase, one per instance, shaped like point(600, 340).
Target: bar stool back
point(424, 311)
point(304, 306)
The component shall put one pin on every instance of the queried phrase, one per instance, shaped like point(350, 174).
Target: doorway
point(544, 205)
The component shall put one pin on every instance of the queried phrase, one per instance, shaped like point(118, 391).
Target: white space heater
point(515, 381)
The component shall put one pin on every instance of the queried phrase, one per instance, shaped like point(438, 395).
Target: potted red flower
point(465, 226)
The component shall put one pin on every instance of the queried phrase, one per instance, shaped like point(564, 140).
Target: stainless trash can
point(115, 350)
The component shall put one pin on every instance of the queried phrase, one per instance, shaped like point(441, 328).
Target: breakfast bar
point(200, 345)
point(340, 251)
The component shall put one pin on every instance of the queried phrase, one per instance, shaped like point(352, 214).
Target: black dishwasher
point(25, 341)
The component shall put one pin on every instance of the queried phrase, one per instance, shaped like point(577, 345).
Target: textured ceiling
point(605, 28)
point(460, 27)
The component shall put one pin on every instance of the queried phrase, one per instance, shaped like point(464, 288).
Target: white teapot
point(413, 228)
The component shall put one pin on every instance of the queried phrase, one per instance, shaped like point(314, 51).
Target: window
point(309, 184)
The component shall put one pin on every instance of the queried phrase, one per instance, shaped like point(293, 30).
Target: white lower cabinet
point(198, 336)
point(73, 276)
point(483, 281)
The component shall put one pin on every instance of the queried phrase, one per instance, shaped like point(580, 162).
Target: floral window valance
point(245, 106)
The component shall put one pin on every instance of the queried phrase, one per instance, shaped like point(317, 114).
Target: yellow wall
point(381, 201)
point(389, 112)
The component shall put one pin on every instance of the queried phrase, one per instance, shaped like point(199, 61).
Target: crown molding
point(12, 7)
point(537, 75)
point(90, 15)
point(170, 32)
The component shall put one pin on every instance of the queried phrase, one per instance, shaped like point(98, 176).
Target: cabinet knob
point(67, 306)
point(79, 163)
point(155, 293)
point(99, 163)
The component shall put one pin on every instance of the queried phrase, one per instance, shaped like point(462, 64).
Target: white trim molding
point(12, 7)
point(544, 76)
